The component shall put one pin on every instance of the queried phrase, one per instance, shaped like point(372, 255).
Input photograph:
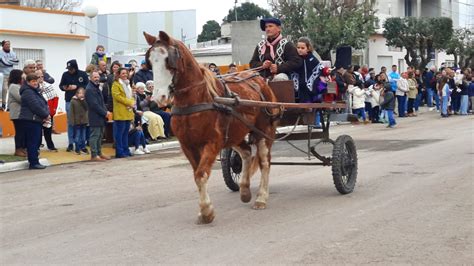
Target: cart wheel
point(231, 168)
point(344, 164)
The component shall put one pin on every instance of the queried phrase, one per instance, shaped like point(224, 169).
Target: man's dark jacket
point(96, 106)
point(291, 60)
point(33, 105)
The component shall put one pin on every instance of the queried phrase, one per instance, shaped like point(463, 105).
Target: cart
point(343, 160)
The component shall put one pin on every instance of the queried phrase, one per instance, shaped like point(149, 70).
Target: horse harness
point(228, 110)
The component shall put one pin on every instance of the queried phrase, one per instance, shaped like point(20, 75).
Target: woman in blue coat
point(33, 113)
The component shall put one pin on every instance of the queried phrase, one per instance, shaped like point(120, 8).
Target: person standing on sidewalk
point(71, 80)
point(388, 104)
point(97, 116)
point(49, 94)
point(77, 117)
point(123, 104)
point(14, 105)
point(34, 112)
point(7, 60)
point(401, 93)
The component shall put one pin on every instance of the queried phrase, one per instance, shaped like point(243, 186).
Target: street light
point(235, 10)
point(90, 11)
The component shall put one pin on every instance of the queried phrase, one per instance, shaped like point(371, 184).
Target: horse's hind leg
point(245, 152)
point(263, 152)
point(201, 176)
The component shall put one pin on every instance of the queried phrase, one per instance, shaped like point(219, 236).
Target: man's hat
point(264, 22)
point(72, 64)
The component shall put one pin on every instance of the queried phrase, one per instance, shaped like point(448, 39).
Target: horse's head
point(164, 59)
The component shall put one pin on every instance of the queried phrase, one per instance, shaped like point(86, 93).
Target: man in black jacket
point(33, 113)
point(97, 116)
point(143, 75)
point(72, 80)
point(276, 55)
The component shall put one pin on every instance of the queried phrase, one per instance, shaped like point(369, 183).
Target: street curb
point(163, 146)
point(22, 165)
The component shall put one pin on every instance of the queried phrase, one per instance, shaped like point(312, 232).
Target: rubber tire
point(338, 157)
point(227, 169)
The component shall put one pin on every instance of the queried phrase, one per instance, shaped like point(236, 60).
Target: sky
point(205, 9)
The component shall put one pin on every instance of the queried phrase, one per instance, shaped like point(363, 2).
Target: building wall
point(379, 54)
point(52, 38)
point(120, 32)
point(245, 36)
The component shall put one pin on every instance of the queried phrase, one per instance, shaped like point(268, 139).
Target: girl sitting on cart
point(310, 80)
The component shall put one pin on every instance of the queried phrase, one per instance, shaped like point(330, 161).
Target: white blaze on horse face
point(162, 77)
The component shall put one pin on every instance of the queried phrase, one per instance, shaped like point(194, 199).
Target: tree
point(65, 5)
point(293, 14)
point(419, 36)
point(210, 31)
point(247, 11)
point(461, 46)
point(328, 23)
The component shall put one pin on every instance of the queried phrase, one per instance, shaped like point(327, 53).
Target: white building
point(44, 34)
point(122, 33)
point(378, 54)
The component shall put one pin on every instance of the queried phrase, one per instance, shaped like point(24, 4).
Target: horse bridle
point(171, 63)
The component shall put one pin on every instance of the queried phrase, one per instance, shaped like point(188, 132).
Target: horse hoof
point(245, 195)
point(259, 206)
point(202, 219)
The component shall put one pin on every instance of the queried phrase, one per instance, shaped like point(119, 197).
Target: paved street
point(413, 203)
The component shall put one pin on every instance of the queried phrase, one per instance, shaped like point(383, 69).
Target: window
point(24, 54)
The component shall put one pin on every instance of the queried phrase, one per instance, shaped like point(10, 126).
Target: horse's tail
point(210, 81)
point(254, 165)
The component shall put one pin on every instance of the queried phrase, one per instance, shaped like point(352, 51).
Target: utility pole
point(183, 36)
point(235, 10)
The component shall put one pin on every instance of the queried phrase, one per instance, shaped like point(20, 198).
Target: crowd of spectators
point(94, 98)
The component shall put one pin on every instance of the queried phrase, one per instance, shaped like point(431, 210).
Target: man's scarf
point(271, 44)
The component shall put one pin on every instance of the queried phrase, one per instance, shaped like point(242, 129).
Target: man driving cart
point(276, 55)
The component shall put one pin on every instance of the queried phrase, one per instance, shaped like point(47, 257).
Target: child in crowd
point(309, 80)
point(374, 98)
point(136, 137)
point(358, 101)
point(444, 92)
point(388, 104)
point(77, 117)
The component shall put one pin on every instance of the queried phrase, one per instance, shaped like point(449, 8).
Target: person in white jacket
point(358, 101)
point(374, 92)
point(401, 93)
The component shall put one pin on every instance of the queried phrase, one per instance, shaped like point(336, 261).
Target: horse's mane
point(210, 81)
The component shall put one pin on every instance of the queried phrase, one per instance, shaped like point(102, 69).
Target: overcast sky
point(205, 9)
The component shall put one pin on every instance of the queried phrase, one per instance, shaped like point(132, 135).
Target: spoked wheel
point(344, 164)
point(231, 168)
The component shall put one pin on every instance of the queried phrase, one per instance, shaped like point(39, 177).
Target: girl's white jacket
point(358, 97)
point(373, 96)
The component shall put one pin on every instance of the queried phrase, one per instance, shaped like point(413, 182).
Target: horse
point(202, 128)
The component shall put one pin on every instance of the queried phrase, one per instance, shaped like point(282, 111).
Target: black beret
point(264, 21)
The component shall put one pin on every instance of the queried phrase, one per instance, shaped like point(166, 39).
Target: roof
point(221, 49)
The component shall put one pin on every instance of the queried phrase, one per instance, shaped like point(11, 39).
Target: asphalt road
point(412, 204)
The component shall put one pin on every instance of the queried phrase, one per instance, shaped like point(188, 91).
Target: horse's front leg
point(201, 176)
point(263, 152)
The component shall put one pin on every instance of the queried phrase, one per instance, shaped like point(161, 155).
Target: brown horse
point(203, 132)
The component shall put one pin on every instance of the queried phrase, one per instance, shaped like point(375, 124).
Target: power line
point(463, 3)
point(116, 40)
point(110, 38)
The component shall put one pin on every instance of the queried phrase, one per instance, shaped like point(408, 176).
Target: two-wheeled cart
point(343, 160)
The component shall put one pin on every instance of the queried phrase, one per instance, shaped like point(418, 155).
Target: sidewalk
point(7, 147)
